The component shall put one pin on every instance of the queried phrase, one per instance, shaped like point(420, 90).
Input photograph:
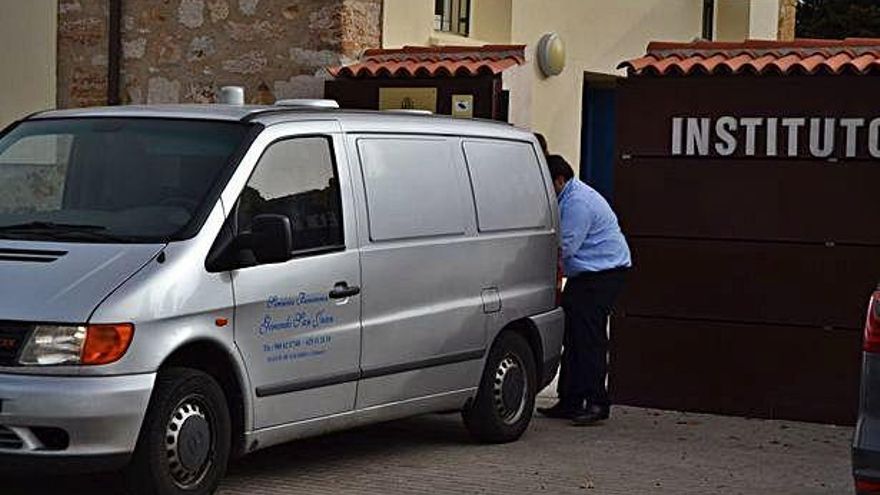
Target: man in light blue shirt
point(595, 259)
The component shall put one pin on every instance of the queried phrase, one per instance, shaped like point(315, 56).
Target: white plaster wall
point(27, 57)
point(407, 22)
point(732, 19)
point(764, 19)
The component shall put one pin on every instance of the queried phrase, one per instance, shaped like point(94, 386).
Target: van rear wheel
point(505, 400)
point(185, 440)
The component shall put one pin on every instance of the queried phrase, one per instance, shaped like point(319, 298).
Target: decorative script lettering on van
point(793, 137)
point(300, 319)
point(286, 314)
point(301, 299)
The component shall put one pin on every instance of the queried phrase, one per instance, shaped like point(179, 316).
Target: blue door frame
point(598, 138)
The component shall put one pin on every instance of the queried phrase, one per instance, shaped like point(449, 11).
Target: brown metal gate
point(753, 269)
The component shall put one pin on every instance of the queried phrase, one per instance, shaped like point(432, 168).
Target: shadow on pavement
point(425, 432)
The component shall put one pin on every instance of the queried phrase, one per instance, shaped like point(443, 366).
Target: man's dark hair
point(543, 142)
point(559, 168)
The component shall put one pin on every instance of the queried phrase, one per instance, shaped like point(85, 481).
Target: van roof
point(351, 120)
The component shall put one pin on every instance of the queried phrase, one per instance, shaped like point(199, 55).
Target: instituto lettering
point(819, 137)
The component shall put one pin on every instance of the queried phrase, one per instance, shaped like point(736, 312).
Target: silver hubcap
point(189, 443)
point(510, 389)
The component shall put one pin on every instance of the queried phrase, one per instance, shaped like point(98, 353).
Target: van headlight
point(54, 345)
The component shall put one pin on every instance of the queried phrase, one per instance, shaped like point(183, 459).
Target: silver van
point(180, 285)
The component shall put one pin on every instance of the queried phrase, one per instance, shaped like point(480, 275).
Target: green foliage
point(838, 19)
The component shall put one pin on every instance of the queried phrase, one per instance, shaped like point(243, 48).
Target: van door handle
point(343, 291)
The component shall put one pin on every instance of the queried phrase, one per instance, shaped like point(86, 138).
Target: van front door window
point(296, 178)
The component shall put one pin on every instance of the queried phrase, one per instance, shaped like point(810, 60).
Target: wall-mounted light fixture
point(551, 55)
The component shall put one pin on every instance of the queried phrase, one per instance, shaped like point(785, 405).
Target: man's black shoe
point(591, 416)
point(561, 410)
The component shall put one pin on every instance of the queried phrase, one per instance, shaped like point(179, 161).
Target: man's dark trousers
point(587, 301)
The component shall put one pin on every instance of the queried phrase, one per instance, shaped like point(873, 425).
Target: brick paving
point(639, 451)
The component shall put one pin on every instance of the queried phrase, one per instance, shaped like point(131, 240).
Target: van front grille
point(9, 440)
point(12, 338)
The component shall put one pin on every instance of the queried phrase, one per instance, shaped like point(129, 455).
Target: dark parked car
point(866, 444)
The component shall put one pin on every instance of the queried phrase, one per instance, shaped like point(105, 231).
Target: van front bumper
point(101, 417)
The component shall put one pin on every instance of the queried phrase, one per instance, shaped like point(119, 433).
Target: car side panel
point(421, 305)
point(866, 441)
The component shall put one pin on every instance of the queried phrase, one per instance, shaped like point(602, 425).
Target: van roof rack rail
point(308, 103)
point(411, 111)
point(293, 105)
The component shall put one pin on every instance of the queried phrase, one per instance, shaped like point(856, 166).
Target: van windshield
point(116, 180)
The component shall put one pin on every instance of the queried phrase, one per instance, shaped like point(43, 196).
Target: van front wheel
point(505, 400)
point(185, 440)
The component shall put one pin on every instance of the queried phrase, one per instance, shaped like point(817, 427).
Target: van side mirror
point(270, 238)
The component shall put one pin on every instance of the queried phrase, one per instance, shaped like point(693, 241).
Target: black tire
point(184, 442)
point(505, 400)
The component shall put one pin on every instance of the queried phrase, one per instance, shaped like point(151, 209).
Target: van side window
point(297, 178)
point(520, 200)
point(413, 187)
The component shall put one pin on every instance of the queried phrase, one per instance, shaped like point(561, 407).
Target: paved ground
point(638, 452)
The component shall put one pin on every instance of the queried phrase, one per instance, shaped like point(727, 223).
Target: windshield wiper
point(52, 226)
point(57, 231)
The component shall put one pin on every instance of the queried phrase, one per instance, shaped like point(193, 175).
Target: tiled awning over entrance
point(849, 56)
point(436, 61)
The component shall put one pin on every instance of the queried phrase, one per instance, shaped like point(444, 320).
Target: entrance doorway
point(598, 133)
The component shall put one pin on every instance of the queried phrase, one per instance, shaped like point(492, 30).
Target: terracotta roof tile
point(434, 61)
point(734, 64)
point(860, 64)
point(804, 56)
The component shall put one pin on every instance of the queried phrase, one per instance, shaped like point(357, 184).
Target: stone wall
point(82, 53)
point(183, 51)
point(787, 19)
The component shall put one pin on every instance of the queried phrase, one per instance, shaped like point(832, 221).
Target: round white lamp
point(551, 55)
